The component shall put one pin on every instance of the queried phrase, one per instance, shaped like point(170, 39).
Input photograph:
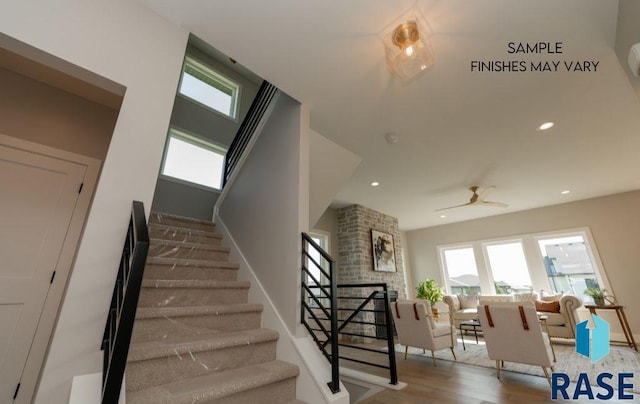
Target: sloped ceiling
point(456, 127)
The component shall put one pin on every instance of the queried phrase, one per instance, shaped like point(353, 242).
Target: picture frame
point(383, 251)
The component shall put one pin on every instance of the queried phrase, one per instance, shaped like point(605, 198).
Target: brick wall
point(355, 257)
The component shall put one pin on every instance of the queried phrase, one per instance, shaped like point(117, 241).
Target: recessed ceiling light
point(443, 216)
point(565, 192)
point(546, 125)
point(375, 184)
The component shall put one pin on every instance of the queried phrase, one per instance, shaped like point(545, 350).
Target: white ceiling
point(457, 128)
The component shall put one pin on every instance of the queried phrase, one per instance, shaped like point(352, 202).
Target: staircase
point(196, 339)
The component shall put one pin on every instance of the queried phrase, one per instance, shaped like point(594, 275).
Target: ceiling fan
point(478, 199)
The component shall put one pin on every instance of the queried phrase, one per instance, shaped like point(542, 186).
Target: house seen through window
point(193, 160)
point(565, 262)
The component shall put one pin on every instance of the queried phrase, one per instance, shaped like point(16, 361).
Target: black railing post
point(334, 385)
point(393, 371)
point(124, 302)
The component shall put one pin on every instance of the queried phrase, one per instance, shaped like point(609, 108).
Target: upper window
point(205, 86)
point(193, 160)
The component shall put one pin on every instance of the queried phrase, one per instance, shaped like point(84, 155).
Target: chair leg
point(424, 351)
point(406, 349)
point(546, 374)
point(454, 354)
point(433, 355)
point(498, 369)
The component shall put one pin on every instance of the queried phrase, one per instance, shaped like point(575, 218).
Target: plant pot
point(599, 301)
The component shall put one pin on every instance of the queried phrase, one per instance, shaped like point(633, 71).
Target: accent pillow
point(551, 298)
point(548, 307)
point(468, 301)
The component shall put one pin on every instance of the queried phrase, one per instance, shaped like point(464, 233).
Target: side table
point(621, 317)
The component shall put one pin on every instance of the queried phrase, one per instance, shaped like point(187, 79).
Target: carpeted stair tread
point(155, 242)
point(160, 227)
point(153, 312)
point(187, 262)
point(216, 386)
point(188, 345)
point(194, 284)
point(170, 219)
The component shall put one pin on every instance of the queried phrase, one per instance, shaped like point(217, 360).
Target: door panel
point(38, 195)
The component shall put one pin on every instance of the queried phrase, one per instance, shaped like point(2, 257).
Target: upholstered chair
point(417, 328)
point(513, 333)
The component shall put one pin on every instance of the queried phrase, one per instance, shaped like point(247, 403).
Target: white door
point(38, 195)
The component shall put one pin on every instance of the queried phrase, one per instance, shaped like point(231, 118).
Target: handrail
point(124, 301)
point(331, 335)
point(247, 128)
point(349, 315)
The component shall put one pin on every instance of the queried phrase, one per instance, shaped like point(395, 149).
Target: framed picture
point(384, 254)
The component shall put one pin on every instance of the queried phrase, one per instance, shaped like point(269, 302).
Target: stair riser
point(183, 297)
point(183, 237)
point(169, 251)
point(274, 393)
point(154, 271)
point(154, 372)
point(150, 329)
point(171, 221)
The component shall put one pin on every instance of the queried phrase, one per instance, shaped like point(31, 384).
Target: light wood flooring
point(452, 382)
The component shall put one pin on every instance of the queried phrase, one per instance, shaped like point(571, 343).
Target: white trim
point(314, 368)
point(53, 302)
point(599, 269)
point(198, 141)
point(213, 74)
point(247, 151)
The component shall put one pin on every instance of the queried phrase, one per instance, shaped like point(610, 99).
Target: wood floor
point(452, 382)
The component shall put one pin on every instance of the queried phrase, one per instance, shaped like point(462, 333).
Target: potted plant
point(597, 294)
point(429, 290)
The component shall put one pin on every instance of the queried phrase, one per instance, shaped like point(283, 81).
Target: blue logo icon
point(592, 339)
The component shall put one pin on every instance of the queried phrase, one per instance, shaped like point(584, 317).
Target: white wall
point(126, 43)
point(263, 204)
point(614, 221)
point(331, 165)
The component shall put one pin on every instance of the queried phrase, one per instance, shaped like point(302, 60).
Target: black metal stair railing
point(122, 312)
point(357, 316)
point(248, 127)
point(314, 274)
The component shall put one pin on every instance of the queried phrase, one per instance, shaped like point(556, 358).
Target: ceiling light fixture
point(565, 192)
point(375, 184)
point(443, 216)
point(546, 125)
point(407, 48)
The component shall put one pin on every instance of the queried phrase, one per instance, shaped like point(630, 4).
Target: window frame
point(592, 251)
point(512, 240)
point(215, 75)
point(198, 141)
point(444, 270)
point(535, 262)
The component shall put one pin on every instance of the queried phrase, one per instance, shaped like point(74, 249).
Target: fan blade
point(485, 192)
point(453, 207)
point(497, 204)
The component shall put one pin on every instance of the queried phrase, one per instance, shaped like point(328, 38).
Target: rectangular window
point(207, 87)
point(508, 266)
point(193, 160)
point(461, 270)
point(568, 263)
